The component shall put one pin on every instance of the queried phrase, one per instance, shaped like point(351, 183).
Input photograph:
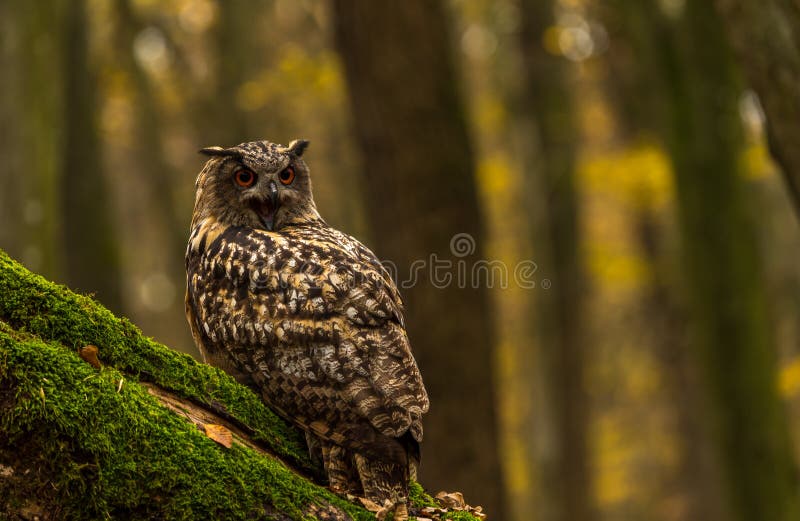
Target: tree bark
point(418, 173)
point(765, 35)
point(564, 463)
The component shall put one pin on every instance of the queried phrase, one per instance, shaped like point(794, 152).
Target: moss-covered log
point(77, 442)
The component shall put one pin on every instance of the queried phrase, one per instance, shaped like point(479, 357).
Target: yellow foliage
point(297, 76)
point(639, 176)
point(615, 185)
point(616, 457)
point(494, 175)
point(616, 268)
point(789, 378)
point(756, 161)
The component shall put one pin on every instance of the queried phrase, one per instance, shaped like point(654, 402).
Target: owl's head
point(258, 184)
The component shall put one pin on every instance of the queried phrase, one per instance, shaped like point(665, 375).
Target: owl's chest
point(253, 290)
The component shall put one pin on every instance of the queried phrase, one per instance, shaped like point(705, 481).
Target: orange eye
point(244, 178)
point(287, 175)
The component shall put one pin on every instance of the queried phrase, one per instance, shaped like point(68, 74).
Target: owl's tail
point(413, 453)
point(386, 484)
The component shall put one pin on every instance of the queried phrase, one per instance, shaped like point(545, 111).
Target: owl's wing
point(317, 321)
point(400, 397)
point(371, 360)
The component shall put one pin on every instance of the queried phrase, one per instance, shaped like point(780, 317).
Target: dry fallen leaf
point(400, 512)
point(451, 500)
point(432, 511)
point(220, 434)
point(89, 354)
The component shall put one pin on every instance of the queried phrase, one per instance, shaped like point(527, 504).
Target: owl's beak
point(269, 218)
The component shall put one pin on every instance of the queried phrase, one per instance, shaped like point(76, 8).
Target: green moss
point(418, 497)
point(111, 451)
point(30, 303)
point(460, 516)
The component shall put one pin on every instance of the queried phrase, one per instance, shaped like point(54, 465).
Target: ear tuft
point(219, 151)
point(297, 147)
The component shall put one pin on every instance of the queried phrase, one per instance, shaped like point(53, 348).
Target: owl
point(305, 315)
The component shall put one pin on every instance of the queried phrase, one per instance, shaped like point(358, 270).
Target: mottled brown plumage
point(306, 315)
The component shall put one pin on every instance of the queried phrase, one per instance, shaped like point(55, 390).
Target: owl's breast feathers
point(311, 318)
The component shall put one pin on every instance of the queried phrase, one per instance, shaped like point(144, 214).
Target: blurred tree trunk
point(765, 34)
point(31, 40)
point(156, 172)
point(640, 48)
point(644, 64)
point(723, 273)
point(563, 461)
point(420, 190)
point(89, 242)
point(11, 196)
point(222, 122)
point(697, 478)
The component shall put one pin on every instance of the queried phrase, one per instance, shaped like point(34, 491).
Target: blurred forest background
point(645, 154)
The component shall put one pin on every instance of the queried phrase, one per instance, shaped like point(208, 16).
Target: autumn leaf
point(219, 434)
point(89, 354)
point(453, 500)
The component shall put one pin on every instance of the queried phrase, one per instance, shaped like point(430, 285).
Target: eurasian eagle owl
point(306, 315)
